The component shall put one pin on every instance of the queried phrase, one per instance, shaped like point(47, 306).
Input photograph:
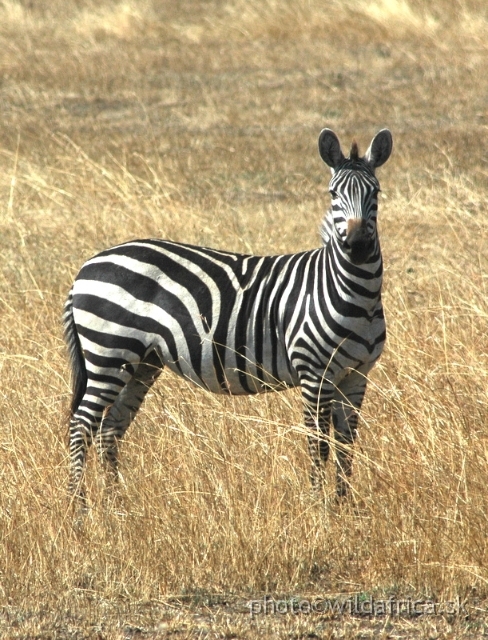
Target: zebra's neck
point(356, 284)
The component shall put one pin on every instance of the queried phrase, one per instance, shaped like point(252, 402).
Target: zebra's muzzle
point(359, 243)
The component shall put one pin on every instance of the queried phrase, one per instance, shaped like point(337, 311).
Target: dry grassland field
point(197, 121)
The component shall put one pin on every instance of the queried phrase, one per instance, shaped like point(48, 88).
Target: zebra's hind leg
point(100, 390)
point(348, 398)
point(80, 438)
point(121, 413)
point(82, 429)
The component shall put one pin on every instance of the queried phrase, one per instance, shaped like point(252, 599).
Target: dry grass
point(198, 121)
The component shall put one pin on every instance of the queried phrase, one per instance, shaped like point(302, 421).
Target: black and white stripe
point(232, 323)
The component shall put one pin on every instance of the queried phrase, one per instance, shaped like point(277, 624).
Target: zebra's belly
point(233, 378)
point(239, 384)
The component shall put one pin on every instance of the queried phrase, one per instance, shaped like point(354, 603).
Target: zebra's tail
point(78, 368)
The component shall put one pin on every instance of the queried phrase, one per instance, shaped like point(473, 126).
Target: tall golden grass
point(198, 122)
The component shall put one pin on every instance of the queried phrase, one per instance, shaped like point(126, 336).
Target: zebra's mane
point(354, 163)
point(354, 155)
point(325, 227)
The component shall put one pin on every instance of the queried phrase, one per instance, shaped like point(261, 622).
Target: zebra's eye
point(333, 194)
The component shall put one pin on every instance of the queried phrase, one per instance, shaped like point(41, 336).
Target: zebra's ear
point(380, 148)
point(330, 148)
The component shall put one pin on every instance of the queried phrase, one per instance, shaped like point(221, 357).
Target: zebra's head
point(354, 191)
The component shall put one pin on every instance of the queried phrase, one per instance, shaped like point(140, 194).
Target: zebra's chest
point(359, 341)
point(331, 343)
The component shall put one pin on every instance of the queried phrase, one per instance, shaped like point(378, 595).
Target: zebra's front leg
point(317, 421)
point(319, 449)
point(348, 398)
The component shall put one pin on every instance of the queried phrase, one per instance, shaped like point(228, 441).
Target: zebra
point(234, 323)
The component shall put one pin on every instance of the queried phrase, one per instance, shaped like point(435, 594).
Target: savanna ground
point(198, 121)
